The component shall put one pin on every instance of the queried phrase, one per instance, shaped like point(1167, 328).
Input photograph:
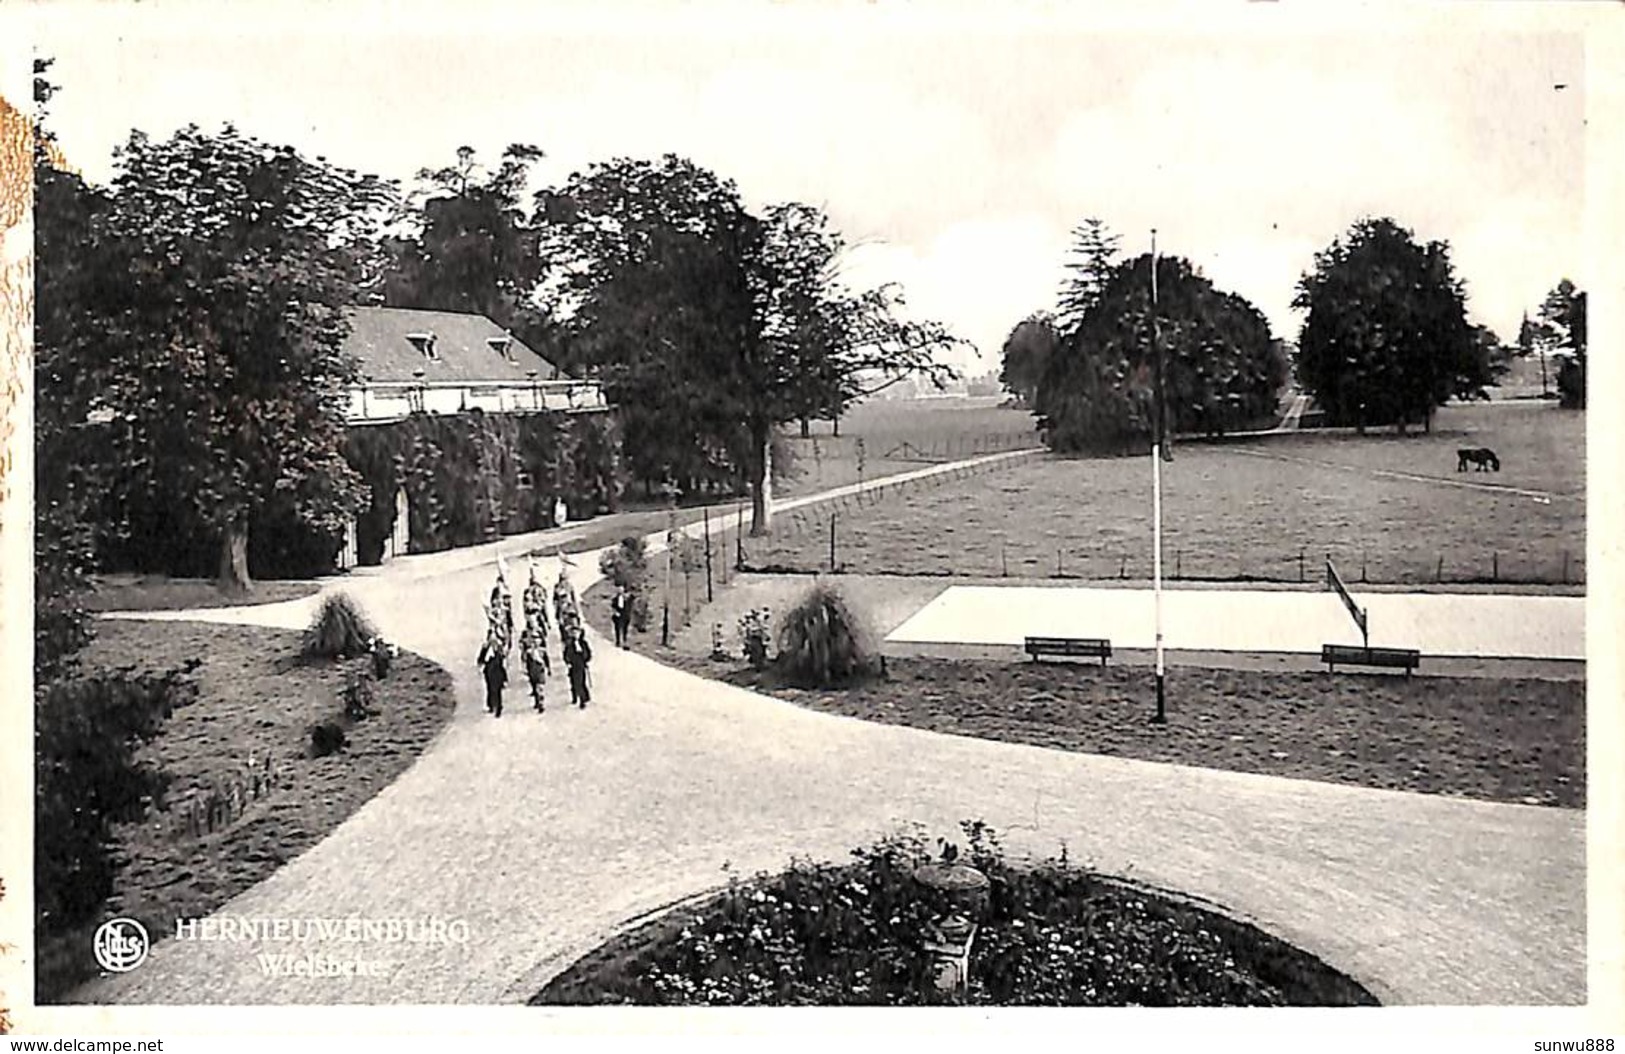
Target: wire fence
point(833, 537)
point(816, 543)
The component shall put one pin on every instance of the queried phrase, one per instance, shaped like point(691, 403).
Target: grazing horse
point(1482, 457)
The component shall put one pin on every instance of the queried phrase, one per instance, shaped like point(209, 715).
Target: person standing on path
point(494, 665)
point(533, 647)
point(620, 614)
point(576, 657)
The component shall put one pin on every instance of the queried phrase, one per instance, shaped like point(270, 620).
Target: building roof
point(389, 344)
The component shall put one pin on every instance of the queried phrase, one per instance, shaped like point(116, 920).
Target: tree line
point(190, 369)
point(1386, 340)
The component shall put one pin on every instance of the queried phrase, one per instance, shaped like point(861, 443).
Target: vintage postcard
point(517, 509)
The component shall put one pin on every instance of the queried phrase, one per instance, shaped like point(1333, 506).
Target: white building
point(441, 362)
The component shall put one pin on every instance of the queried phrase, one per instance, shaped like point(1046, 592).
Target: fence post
point(709, 595)
point(1057, 563)
point(1362, 565)
point(739, 540)
point(1495, 567)
point(1122, 566)
point(1179, 564)
point(832, 541)
point(1565, 567)
point(1438, 575)
point(1004, 564)
point(1301, 577)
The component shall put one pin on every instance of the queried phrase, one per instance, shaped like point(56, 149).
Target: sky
point(955, 155)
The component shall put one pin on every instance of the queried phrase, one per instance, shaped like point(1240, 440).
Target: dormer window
point(424, 343)
point(502, 345)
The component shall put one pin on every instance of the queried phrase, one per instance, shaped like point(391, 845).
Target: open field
point(255, 701)
point(1263, 509)
point(901, 434)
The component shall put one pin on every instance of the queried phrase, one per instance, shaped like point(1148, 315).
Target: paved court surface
point(1240, 620)
point(545, 833)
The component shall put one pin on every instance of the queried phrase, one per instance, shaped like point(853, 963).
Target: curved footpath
point(546, 833)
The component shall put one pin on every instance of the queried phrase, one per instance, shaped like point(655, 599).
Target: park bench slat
point(1334, 655)
point(1069, 647)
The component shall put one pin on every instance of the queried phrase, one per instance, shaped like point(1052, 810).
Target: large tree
point(1386, 340)
point(1221, 367)
point(475, 249)
point(65, 211)
point(204, 329)
point(1027, 351)
point(712, 326)
point(1563, 323)
point(1093, 256)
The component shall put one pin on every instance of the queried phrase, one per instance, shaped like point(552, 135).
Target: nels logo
point(121, 945)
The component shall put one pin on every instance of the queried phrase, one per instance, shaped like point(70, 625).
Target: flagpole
point(1156, 483)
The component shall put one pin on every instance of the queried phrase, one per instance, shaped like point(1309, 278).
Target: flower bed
point(1052, 935)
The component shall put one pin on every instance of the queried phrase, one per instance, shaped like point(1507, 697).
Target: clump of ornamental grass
point(340, 630)
point(823, 643)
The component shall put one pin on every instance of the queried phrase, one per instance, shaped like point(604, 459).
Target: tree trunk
point(233, 576)
point(761, 491)
point(837, 420)
point(806, 428)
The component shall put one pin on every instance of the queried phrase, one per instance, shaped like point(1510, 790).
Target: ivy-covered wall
point(473, 477)
point(465, 478)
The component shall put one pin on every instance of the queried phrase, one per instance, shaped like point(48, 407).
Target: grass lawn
point(932, 429)
point(255, 700)
point(1240, 511)
point(1513, 738)
point(125, 592)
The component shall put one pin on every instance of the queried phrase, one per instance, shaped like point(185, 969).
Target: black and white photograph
point(535, 508)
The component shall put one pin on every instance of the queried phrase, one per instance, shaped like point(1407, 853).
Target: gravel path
point(545, 833)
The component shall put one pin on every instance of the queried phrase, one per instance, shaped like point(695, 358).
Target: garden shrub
point(339, 630)
point(359, 697)
point(755, 631)
point(823, 643)
point(383, 657)
point(327, 737)
point(86, 732)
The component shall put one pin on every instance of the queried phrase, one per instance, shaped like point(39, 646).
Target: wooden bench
point(1335, 655)
point(1070, 647)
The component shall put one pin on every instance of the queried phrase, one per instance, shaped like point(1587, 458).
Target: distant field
point(901, 434)
point(1243, 510)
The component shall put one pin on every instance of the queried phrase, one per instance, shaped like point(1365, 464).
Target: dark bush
point(339, 631)
point(326, 738)
point(823, 644)
point(360, 698)
point(383, 656)
point(86, 732)
point(1571, 383)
